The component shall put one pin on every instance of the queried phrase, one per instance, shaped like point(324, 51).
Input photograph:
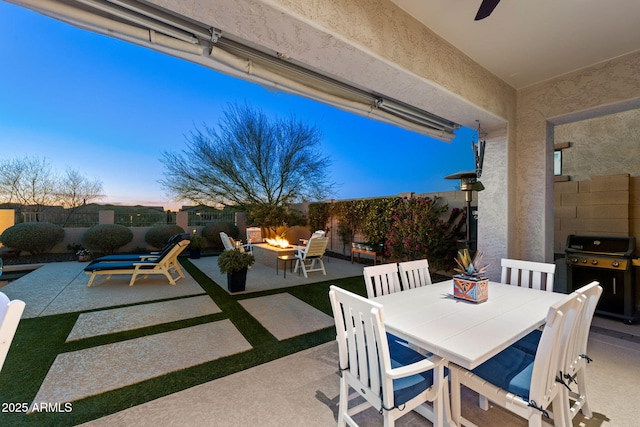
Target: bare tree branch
point(250, 160)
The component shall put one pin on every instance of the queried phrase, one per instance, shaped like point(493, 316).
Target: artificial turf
point(39, 340)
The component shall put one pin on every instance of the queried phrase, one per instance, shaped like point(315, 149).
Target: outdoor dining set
point(411, 342)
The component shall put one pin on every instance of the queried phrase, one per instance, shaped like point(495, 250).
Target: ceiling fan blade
point(486, 8)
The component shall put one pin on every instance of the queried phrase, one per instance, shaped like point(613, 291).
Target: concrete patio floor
point(299, 389)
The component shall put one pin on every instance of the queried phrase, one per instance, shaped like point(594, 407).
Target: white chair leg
point(483, 402)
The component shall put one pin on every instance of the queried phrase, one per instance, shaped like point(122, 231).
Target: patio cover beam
point(178, 36)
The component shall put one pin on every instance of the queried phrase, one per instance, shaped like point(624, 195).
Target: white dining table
point(463, 332)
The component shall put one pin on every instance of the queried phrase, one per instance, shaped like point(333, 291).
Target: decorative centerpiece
point(470, 284)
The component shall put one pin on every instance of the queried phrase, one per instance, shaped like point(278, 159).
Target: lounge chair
point(163, 265)
point(173, 240)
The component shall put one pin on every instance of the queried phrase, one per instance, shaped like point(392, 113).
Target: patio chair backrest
point(316, 247)
point(528, 274)
point(363, 349)
point(226, 241)
point(254, 235)
point(414, 274)
point(560, 326)
point(10, 312)
point(381, 279)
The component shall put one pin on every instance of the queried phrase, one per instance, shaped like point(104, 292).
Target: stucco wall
point(603, 89)
point(607, 145)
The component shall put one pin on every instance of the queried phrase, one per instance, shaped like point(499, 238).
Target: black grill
point(609, 261)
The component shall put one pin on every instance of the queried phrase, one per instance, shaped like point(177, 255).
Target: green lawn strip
point(42, 339)
point(35, 346)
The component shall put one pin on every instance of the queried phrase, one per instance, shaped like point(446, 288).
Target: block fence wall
point(601, 206)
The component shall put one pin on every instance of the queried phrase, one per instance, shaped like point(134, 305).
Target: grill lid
point(603, 245)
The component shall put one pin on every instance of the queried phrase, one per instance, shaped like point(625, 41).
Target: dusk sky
point(108, 109)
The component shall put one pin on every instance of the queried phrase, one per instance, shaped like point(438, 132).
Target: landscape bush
point(107, 237)
point(212, 231)
point(159, 235)
point(34, 237)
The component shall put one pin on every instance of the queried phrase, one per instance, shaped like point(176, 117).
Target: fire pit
point(267, 254)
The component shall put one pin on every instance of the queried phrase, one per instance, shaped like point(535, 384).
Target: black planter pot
point(237, 280)
point(194, 253)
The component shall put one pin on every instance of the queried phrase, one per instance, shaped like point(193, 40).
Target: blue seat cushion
point(510, 370)
point(405, 389)
point(122, 257)
point(100, 266)
point(530, 342)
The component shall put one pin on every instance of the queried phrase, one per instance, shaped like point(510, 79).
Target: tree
point(254, 162)
point(27, 182)
point(75, 190)
point(30, 182)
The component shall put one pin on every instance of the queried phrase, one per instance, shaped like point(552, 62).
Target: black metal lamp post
point(469, 182)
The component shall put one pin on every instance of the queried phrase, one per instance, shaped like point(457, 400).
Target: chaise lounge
point(173, 240)
point(163, 265)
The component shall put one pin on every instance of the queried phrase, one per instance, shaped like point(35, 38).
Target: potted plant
point(470, 284)
point(196, 244)
point(235, 264)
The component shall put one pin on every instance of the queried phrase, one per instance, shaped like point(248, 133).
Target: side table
point(285, 258)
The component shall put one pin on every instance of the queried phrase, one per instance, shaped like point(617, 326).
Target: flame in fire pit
point(278, 242)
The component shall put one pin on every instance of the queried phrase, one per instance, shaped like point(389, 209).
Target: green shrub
point(230, 261)
point(159, 235)
point(34, 237)
point(211, 232)
point(107, 237)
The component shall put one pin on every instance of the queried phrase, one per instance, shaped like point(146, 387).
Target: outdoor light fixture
point(469, 179)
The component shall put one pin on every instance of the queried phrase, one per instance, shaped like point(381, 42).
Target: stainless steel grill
point(609, 261)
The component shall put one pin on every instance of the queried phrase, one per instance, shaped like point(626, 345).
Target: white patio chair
point(528, 274)
point(231, 244)
point(525, 383)
point(307, 257)
point(578, 363)
point(10, 312)
point(381, 279)
point(574, 371)
point(254, 236)
point(390, 377)
point(414, 274)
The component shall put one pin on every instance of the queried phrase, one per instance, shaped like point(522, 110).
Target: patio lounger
point(163, 265)
point(173, 240)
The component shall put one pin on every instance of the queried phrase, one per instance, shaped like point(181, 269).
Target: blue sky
point(108, 109)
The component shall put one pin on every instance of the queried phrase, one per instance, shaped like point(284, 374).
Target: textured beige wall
point(603, 89)
point(607, 145)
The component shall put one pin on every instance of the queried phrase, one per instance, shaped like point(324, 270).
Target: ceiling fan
point(486, 8)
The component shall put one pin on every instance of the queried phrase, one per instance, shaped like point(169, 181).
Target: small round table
point(286, 258)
